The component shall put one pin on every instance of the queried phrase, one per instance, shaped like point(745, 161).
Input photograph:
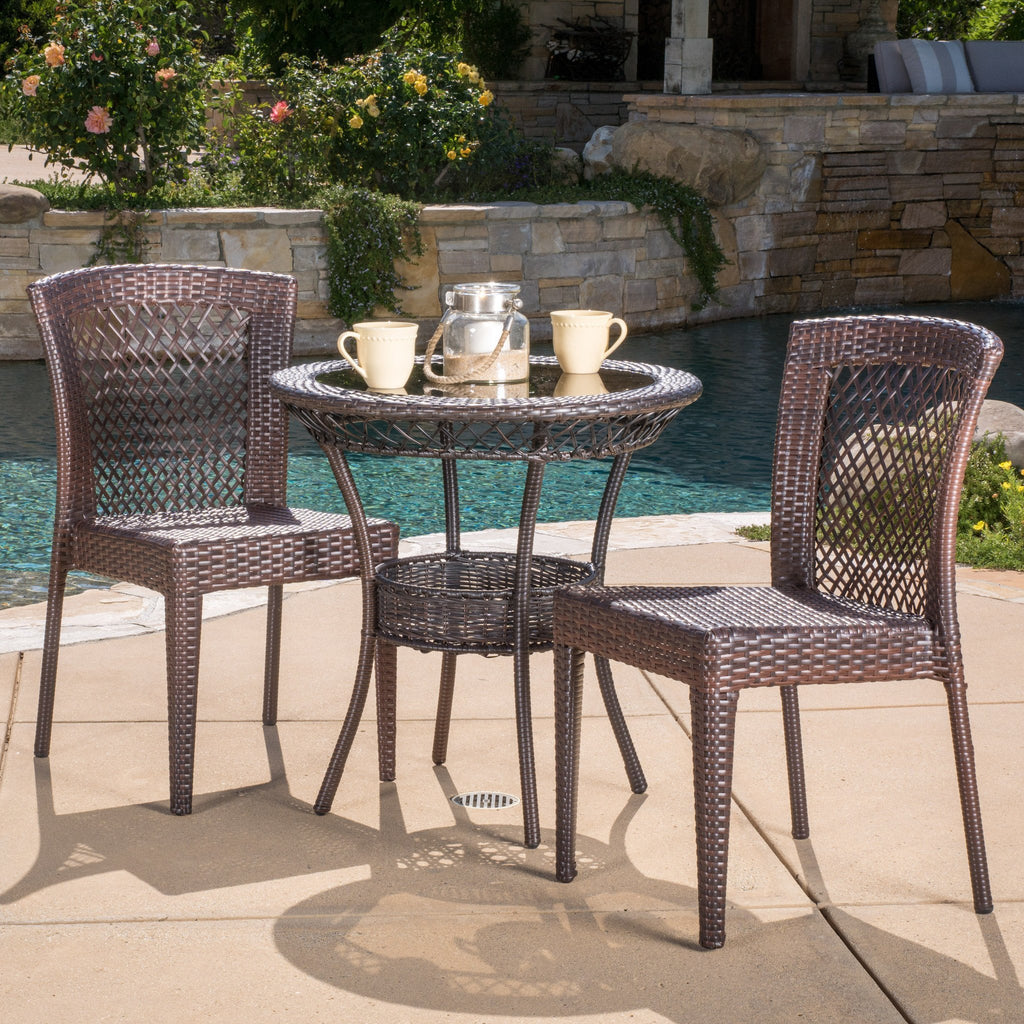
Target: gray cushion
point(936, 66)
point(996, 65)
point(892, 72)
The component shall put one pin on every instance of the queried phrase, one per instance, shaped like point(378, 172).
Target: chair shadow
point(235, 837)
point(464, 919)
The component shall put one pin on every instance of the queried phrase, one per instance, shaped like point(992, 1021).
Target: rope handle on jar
point(479, 369)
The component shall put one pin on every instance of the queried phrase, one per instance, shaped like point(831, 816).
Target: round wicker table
point(481, 602)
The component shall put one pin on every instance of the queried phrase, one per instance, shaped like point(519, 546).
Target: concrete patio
point(400, 906)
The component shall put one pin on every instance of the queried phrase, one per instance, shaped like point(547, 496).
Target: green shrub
point(116, 88)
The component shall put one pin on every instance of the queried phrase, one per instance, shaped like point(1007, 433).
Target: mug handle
point(619, 340)
point(344, 353)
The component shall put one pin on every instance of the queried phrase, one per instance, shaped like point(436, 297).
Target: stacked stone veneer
point(869, 198)
point(604, 255)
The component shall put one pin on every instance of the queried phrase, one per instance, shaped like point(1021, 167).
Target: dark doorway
point(654, 19)
point(732, 24)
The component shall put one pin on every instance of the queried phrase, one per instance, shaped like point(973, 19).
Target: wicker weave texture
point(876, 418)
point(172, 460)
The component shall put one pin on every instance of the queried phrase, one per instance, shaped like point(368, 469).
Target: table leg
point(367, 646)
point(453, 544)
point(599, 556)
point(521, 653)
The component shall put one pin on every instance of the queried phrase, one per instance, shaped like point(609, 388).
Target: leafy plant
point(990, 526)
point(367, 232)
point(116, 88)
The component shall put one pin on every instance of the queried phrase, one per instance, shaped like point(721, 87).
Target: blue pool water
point(715, 456)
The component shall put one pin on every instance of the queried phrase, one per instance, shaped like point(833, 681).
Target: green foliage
point(115, 87)
point(494, 37)
point(755, 531)
point(367, 232)
point(961, 19)
point(312, 28)
point(926, 19)
point(998, 19)
point(16, 15)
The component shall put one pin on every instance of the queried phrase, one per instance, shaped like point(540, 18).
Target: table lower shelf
point(465, 602)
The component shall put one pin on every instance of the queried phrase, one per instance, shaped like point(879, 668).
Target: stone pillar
point(688, 49)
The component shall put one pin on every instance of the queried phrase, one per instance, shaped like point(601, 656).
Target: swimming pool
point(716, 455)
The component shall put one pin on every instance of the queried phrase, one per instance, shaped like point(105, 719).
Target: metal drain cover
point(493, 800)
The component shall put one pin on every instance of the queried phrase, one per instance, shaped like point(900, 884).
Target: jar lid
point(483, 297)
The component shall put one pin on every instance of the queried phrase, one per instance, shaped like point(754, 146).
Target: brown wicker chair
point(876, 419)
point(171, 461)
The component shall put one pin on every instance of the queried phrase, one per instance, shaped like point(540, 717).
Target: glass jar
point(486, 340)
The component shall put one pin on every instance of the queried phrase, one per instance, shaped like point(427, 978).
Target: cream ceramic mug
point(385, 352)
point(581, 338)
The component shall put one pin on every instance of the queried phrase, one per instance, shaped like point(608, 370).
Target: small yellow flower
point(465, 151)
point(1005, 486)
point(1006, 465)
point(373, 110)
point(474, 77)
point(420, 86)
point(355, 121)
point(980, 525)
point(1022, 472)
point(486, 98)
point(1020, 487)
point(410, 76)
point(464, 69)
point(452, 155)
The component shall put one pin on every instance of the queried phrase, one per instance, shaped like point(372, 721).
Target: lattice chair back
point(875, 426)
point(161, 392)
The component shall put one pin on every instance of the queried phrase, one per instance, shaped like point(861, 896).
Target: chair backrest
point(159, 376)
point(876, 420)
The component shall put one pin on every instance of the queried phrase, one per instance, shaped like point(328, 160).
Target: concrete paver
point(399, 906)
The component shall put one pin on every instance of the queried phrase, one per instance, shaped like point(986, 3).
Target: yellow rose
point(452, 154)
point(465, 151)
point(410, 76)
point(373, 110)
point(486, 98)
point(420, 86)
point(355, 121)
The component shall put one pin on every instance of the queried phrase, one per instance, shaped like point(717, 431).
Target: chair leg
point(51, 651)
point(387, 677)
point(275, 599)
point(568, 715)
point(963, 749)
point(184, 620)
point(634, 770)
point(714, 729)
point(795, 763)
point(445, 695)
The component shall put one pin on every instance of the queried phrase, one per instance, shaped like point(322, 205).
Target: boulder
point(1006, 419)
point(597, 153)
point(19, 204)
point(567, 165)
point(723, 164)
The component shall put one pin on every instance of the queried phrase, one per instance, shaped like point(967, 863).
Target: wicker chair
point(876, 419)
point(171, 461)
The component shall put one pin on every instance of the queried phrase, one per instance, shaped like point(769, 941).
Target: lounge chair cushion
point(936, 66)
point(890, 67)
point(996, 65)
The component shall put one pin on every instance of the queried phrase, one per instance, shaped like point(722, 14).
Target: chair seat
point(725, 638)
point(225, 548)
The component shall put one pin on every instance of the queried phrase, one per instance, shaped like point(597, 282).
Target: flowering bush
point(115, 88)
point(990, 527)
point(391, 121)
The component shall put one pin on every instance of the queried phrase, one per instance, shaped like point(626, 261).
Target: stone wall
point(869, 199)
point(597, 255)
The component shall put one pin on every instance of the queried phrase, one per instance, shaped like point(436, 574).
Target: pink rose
point(279, 112)
point(165, 75)
point(153, 48)
point(96, 57)
point(98, 121)
point(29, 85)
point(54, 54)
